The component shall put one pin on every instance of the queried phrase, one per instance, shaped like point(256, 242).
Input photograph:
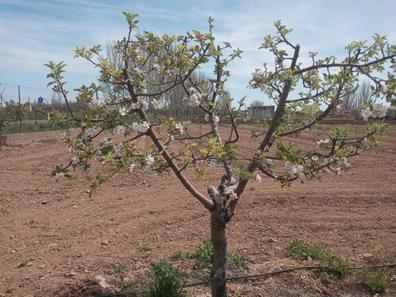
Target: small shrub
point(302, 251)
point(166, 281)
point(373, 279)
point(237, 260)
point(326, 278)
point(118, 267)
point(143, 247)
point(203, 256)
point(268, 227)
point(180, 255)
point(335, 264)
point(126, 285)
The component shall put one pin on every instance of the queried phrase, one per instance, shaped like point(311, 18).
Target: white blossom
point(269, 161)
point(212, 163)
point(149, 160)
point(346, 163)
point(171, 138)
point(158, 104)
point(294, 170)
point(74, 160)
point(179, 127)
point(366, 113)
point(194, 100)
point(117, 148)
point(258, 178)
point(143, 105)
point(258, 75)
point(140, 127)
point(206, 117)
point(119, 130)
point(195, 97)
point(217, 87)
point(88, 133)
point(379, 110)
point(216, 119)
point(132, 167)
point(322, 141)
point(157, 66)
point(122, 110)
point(59, 176)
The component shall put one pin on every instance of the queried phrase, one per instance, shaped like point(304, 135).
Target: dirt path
point(52, 234)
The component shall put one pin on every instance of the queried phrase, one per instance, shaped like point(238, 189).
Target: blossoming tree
point(129, 109)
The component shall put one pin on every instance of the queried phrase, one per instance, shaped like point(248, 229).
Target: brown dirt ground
point(54, 239)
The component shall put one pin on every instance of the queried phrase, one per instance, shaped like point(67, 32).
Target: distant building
point(261, 112)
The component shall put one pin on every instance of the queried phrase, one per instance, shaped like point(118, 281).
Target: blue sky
point(33, 32)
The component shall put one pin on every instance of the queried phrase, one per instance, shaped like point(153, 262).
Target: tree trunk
point(219, 240)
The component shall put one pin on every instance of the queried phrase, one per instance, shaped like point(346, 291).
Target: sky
point(36, 31)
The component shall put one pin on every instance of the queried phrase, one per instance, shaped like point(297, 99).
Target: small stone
point(272, 240)
point(41, 266)
point(105, 242)
point(13, 251)
point(367, 255)
point(53, 245)
point(44, 202)
point(70, 274)
point(74, 206)
point(101, 281)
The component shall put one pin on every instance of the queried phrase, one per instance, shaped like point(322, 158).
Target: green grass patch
point(166, 281)
point(237, 260)
point(118, 267)
point(34, 126)
point(204, 254)
point(335, 264)
point(180, 256)
point(143, 247)
point(373, 279)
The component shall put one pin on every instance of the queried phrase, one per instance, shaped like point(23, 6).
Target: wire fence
point(25, 109)
point(25, 94)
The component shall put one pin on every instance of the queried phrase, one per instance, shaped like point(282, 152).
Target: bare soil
point(54, 239)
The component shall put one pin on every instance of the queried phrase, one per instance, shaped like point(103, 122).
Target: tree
point(295, 88)
point(256, 103)
point(2, 90)
point(359, 98)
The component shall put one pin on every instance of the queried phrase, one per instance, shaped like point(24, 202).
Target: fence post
point(20, 109)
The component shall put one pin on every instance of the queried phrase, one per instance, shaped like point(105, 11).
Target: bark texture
point(219, 240)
